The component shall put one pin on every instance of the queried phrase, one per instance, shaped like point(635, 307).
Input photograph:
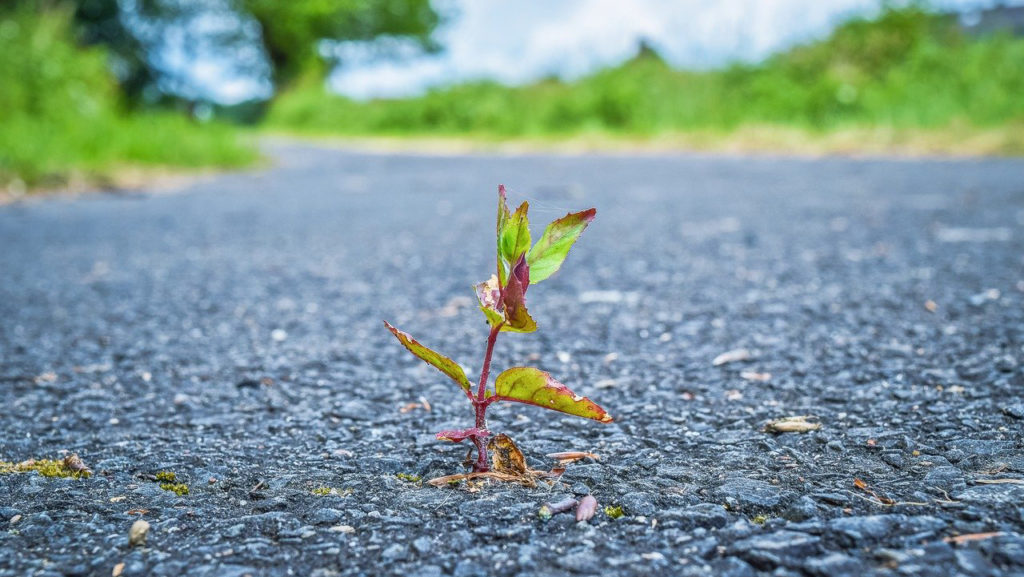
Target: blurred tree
point(293, 35)
point(292, 32)
point(100, 22)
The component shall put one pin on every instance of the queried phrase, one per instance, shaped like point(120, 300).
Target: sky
point(520, 41)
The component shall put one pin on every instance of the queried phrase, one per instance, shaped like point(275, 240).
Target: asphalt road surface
point(231, 333)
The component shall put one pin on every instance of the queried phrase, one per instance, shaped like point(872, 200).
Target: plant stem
point(480, 403)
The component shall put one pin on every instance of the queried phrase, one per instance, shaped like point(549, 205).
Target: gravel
point(230, 332)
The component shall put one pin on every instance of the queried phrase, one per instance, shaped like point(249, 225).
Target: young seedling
point(503, 301)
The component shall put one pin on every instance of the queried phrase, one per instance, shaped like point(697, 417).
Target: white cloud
point(517, 42)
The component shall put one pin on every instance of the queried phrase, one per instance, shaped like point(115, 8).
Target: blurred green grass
point(905, 80)
point(62, 120)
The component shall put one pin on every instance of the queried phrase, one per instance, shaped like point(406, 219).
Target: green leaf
point(514, 239)
point(550, 251)
point(535, 387)
point(519, 321)
point(439, 361)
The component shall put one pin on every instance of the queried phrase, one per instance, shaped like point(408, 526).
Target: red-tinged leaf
point(459, 435)
point(551, 249)
point(535, 387)
point(514, 299)
point(434, 358)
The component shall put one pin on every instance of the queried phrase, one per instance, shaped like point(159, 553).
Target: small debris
point(347, 529)
point(506, 456)
point(959, 539)
point(15, 519)
point(1000, 481)
point(797, 424)
point(279, 335)
point(408, 478)
point(527, 480)
point(74, 463)
point(930, 306)
point(118, 569)
point(586, 508)
point(653, 556)
point(732, 356)
point(422, 404)
point(549, 509)
point(755, 376)
point(137, 534)
point(864, 487)
point(567, 457)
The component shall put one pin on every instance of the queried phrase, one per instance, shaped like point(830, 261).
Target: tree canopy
point(290, 36)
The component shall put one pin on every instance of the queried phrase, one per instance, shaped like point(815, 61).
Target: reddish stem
point(480, 402)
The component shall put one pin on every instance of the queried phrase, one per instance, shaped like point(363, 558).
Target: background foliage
point(84, 89)
point(62, 116)
point(906, 69)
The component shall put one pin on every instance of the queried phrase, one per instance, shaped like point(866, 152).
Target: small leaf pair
point(519, 384)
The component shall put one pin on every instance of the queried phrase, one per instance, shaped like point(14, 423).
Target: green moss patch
point(614, 512)
point(324, 491)
point(180, 489)
point(65, 468)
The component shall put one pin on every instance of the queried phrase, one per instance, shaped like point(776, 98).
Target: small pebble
point(586, 509)
point(137, 534)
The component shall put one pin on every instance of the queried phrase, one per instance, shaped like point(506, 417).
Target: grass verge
point(906, 81)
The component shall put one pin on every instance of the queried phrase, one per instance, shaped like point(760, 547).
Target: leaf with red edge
point(459, 435)
point(514, 299)
point(553, 246)
point(433, 358)
point(536, 387)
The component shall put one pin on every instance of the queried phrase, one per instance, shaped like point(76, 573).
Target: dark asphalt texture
point(231, 333)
